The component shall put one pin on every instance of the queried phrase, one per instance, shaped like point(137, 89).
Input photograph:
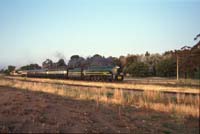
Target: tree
point(76, 62)
point(152, 61)
point(138, 69)
point(47, 63)
point(113, 61)
point(198, 35)
point(147, 54)
point(61, 63)
point(75, 57)
point(189, 62)
point(122, 60)
point(2, 71)
point(98, 60)
point(166, 67)
point(131, 59)
point(11, 68)
point(30, 67)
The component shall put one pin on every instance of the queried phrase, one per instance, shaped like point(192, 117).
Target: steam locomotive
point(102, 73)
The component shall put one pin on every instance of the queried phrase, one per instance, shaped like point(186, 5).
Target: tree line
point(143, 65)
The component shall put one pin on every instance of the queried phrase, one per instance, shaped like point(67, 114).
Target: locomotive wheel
point(98, 78)
point(91, 78)
point(95, 78)
point(102, 78)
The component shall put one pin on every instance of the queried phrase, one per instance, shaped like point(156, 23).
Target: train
point(100, 73)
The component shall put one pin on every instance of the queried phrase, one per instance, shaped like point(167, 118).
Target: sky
point(34, 30)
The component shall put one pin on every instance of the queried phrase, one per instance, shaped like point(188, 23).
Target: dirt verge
point(26, 111)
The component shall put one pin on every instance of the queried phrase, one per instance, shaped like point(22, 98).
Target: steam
point(60, 55)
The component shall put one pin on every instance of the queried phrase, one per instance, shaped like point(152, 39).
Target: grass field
point(154, 104)
point(161, 85)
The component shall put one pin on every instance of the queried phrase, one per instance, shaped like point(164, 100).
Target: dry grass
point(131, 86)
point(186, 105)
point(163, 80)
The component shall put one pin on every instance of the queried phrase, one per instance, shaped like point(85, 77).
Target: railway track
point(104, 85)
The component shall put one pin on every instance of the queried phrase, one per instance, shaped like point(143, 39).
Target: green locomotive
point(100, 73)
point(103, 73)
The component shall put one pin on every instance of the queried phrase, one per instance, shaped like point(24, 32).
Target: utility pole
point(177, 68)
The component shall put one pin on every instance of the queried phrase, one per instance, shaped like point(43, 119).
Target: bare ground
point(26, 111)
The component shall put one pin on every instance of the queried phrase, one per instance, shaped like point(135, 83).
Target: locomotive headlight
point(117, 67)
point(119, 77)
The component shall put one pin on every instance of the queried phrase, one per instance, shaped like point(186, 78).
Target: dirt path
point(26, 111)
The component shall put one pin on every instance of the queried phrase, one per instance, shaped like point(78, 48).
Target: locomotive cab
point(117, 73)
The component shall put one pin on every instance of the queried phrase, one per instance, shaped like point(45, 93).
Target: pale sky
point(33, 30)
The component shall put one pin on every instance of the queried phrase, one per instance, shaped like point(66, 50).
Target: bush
point(138, 69)
point(197, 74)
point(166, 67)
